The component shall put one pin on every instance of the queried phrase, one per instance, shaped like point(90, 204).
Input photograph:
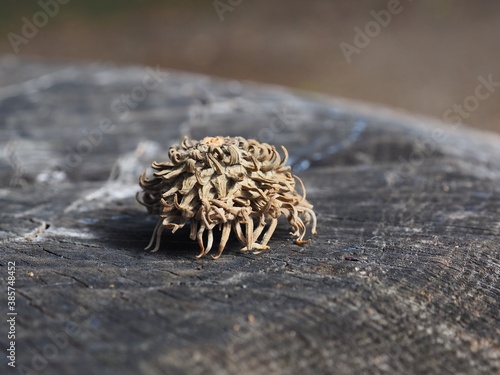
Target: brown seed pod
point(229, 183)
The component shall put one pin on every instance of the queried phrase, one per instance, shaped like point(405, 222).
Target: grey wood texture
point(403, 276)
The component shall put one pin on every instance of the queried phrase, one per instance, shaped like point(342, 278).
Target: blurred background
point(432, 57)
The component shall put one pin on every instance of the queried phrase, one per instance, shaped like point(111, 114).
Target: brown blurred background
point(427, 58)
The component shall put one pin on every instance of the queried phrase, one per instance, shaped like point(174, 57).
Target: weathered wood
point(402, 278)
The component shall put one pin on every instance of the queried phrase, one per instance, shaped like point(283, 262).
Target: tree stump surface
point(403, 276)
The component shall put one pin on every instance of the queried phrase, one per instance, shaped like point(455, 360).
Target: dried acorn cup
point(228, 183)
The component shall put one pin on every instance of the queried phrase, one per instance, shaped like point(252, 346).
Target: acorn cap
point(226, 182)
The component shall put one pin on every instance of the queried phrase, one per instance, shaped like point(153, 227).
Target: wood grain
point(403, 276)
